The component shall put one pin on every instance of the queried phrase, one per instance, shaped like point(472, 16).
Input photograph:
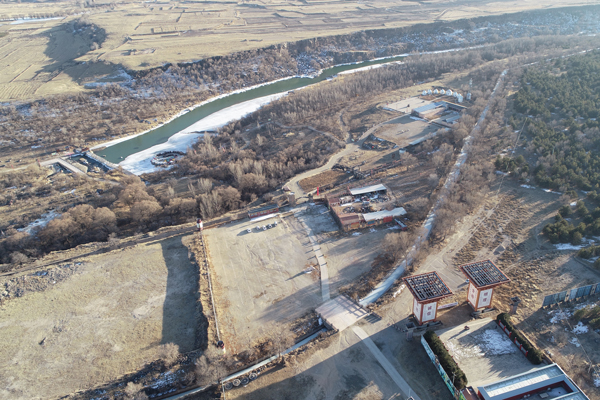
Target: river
point(134, 153)
point(212, 114)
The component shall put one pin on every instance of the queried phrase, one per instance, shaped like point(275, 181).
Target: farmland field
point(48, 56)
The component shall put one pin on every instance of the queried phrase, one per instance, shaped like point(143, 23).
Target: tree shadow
point(353, 373)
point(69, 41)
point(179, 309)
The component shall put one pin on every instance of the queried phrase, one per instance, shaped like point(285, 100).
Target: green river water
point(117, 152)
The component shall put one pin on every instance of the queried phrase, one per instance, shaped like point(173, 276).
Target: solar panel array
point(571, 294)
point(427, 286)
point(484, 273)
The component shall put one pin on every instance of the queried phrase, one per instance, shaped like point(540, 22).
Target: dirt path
point(349, 149)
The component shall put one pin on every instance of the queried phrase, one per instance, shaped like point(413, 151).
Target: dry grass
point(106, 319)
point(141, 35)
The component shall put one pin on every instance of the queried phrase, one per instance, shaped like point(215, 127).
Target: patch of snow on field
point(39, 223)
point(528, 187)
point(559, 315)
point(567, 246)
point(551, 191)
point(496, 343)
point(575, 341)
point(263, 217)
point(462, 352)
point(356, 234)
point(489, 343)
point(166, 378)
point(597, 381)
point(580, 328)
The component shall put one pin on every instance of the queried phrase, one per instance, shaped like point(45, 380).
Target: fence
point(457, 394)
point(571, 294)
point(513, 339)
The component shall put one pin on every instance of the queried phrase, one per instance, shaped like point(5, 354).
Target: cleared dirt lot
point(405, 130)
point(484, 352)
point(102, 321)
point(259, 282)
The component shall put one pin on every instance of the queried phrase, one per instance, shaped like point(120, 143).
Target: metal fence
point(571, 294)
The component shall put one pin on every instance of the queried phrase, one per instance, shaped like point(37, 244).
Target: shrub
point(446, 360)
point(169, 352)
point(589, 252)
point(533, 354)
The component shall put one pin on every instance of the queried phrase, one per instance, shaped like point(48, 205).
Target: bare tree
point(135, 391)
point(397, 244)
point(204, 185)
point(433, 180)
point(169, 352)
point(18, 258)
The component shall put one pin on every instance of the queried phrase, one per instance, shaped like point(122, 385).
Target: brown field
point(82, 324)
point(40, 58)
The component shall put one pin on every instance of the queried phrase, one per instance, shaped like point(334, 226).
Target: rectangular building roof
point(396, 212)
point(428, 107)
point(428, 286)
point(367, 189)
point(484, 273)
point(349, 219)
point(537, 379)
point(265, 208)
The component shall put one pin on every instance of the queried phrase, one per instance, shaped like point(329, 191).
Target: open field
point(45, 57)
point(404, 130)
point(259, 281)
point(86, 323)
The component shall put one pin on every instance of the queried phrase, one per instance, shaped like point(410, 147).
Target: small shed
point(369, 189)
point(266, 210)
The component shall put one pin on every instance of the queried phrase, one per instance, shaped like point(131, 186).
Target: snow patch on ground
point(567, 246)
point(39, 223)
point(580, 328)
point(528, 186)
point(575, 341)
point(356, 234)
point(597, 381)
point(496, 343)
point(373, 230)
point(559, 315)
point(551, 191)
point(263, 217)
point(490, 343)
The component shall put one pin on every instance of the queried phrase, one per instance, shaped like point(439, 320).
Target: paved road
point(385, 363)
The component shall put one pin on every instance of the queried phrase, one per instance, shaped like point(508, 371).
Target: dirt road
point(349, 149)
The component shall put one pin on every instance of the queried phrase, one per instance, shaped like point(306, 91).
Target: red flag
point(317, 190)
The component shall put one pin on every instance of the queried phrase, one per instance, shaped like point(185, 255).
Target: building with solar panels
point(427, 290)
point(483, 277)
